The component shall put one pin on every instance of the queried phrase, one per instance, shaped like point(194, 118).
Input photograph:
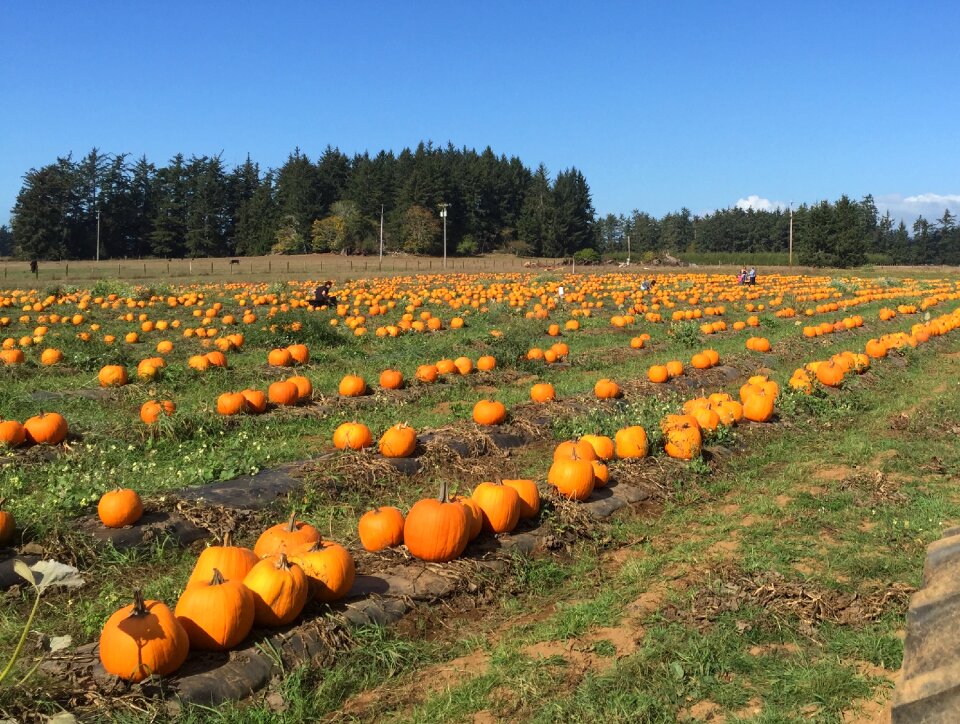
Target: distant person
point(33, 266)
point(742, 276)
point(322, 296)
point(560, 293)
point(752, 276)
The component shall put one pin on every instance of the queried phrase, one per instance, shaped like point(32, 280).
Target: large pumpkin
point(216, 614)
point(280, 590)
point(500, 506)
point(352, 386)
point(330, 570)
point(543, 392)
point(606, 389)
point(113, 376)
point(572, 477)
point(143, 639)
point(682, 437)
point(601, 444)
point(47, 428)
point(435, 529)
point(381, 528)
point(286, 538)
point(231, 403)
point(631, 442)
point(284, 393)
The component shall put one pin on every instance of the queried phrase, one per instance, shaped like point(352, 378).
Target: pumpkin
point(233, 562)
point(143, 639)
point(299, 353)
point(658, 374)
point(217, 359)
point(601, 444)
point(486, 363)
point(199, 363)
point(706, 417)
point(631, 442)
point(113, 376)
point(381, 528)
point(352, 386)
point(674, 368)
point(682, 437)
point(352, 435)
point(446, 367)
point(700, 361)
point(47, 428)
point(427, 373)
point(572, 477)
point(329, 568)
point(280, 590)
point(500, 506)
point(51, 356)
point(876, 349)
point(601, 474)
point(489, 412)
point(436, 529)
point(759, 405)
point(474, 514)
point(256, 401)
point(830, 373)
point(119, 508)
point(216, 614)
point(304, 387)
point(285, 538)
point(7, 525)
point(399, 441)
point(391, 379)
point(284, 393)
point(606, 389)
point(12, 434)
point(231, 403)
point(529, 496)
point(574, 449)
point(464, 365)
point(279, 358)
point(543, 392)
point(152, 410)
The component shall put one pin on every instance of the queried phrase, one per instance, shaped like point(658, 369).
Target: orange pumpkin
point(391, 379)
point(119, 508)
point(217, 614)
point(352, 435)
point(47, 428)
point(500, 506)
point(436, 529)
point(284, 393)
point(280, 590)
point(631, 442)
point(489, 412)
point(381, 528)
point(231, 403)
point(606, 389)
point(233, 562)
point(286, 538)
point(572, 477)
point(542, 392)
point(330, 570)
point(352, 386)
point(143, 639)
point(12, 434)
point(399, 441)
point(152, 410)
point(529, 496)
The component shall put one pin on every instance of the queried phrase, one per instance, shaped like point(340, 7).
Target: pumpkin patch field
point(461, 497)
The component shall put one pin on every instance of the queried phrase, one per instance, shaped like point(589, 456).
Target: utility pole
point(381, 234)
point(628, 249)
point(98, 234)
point(790, 254)
point(443, 215)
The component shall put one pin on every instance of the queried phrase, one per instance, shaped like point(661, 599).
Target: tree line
point(197, 207)
point(843, 233)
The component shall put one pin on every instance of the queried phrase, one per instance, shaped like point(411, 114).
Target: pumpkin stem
point(444, 492)
point(139, 607)
point(217, 578)
point(283, 563)
point(228, 539)
point(292, 525)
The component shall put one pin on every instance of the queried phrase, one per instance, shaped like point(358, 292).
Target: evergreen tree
point(537, 225)
point(574, 212)
point(169, 225)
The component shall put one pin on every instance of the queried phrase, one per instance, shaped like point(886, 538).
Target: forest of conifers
point(197, 207)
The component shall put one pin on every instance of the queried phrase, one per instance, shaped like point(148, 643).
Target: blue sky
point(660, 105)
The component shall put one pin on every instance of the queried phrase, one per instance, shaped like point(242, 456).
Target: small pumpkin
point(233, 562)
point(285, 538)
point(658, 374)
point(113, 376)
point(436, 529)
point(381, 528)
point(256, 401)
point(119, 508)
point(543, 392)
point(529, 496)
point(601, 473)
point(489, 412)
point(12, 434)
point(51, 356)
point(280, 591)
point(153, 410)
point(486, 363)
point(279, 358)
point(606, 389)
point(304, 387)
point(399, 441)
point(427, 373)
point(572, 477)
point(391, 379)
point(682, 437)
point(601, 444)
point(216, 614)
point(7, 525)
point(330, 570)
point(352, 386)
point(352, 435)
point(143, 639)
point(500, 506)
point(299, 353)
point(474, 514)
point(231, 403)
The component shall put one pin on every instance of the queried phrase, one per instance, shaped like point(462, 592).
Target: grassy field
point(768, 584)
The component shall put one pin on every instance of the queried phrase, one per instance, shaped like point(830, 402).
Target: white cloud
point(758, 203)
point(908, 208)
